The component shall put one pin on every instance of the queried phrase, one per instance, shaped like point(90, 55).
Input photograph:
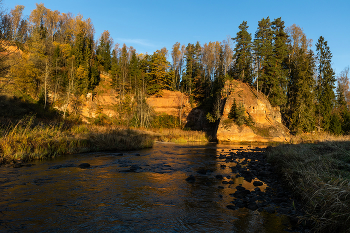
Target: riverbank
point(26, 141)
point(319, 175)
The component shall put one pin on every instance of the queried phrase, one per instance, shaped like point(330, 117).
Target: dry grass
point(27, 142)
point(179, 135)
point(320, 175)
point(317, 137)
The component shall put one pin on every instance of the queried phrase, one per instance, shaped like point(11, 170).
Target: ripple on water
point(57, 195)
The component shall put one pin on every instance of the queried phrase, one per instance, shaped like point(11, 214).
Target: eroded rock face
point(267, 119)
point(172, 103)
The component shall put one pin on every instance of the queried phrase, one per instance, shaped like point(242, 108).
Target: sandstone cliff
point(267, 125)
point(172, 103)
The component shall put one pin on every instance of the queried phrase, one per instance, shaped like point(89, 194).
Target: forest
point(52, 58)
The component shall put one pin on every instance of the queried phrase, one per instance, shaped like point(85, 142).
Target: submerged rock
point(84, 165)
point(258, 183)
point(191, 179)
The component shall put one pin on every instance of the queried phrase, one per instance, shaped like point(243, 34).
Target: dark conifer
point(242, 69)
point(325, 84)
point(263, 51)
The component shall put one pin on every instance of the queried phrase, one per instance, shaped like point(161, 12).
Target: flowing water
point(152, 196)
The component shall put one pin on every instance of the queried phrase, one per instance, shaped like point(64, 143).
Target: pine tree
point(243, 59)
point(278, 79)
point(158, 78)
point(237, 113)
point(325, 84)
point(263, 51)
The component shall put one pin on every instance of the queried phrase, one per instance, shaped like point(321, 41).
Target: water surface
point(58, 196)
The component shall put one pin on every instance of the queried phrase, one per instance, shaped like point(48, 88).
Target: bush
point(165, 121)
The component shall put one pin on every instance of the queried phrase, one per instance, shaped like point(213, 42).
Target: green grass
point(319, 174)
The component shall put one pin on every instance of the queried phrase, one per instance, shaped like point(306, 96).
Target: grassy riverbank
point(179, 135)
point(320, 175)
point(27, 141)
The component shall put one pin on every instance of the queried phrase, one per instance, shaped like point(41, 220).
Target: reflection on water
point(58, 196)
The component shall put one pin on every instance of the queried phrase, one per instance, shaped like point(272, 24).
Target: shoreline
point(282, 163)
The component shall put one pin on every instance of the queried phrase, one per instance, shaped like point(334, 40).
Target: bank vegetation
point(319, 174)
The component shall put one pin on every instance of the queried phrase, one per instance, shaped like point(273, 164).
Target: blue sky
point(148, 25)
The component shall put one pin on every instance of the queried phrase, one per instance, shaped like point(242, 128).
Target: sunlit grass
point(317, 137)
point(320, 175)
point(180, 136)
point(26, 141)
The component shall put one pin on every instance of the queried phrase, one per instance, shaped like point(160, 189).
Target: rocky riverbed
point(171, 187)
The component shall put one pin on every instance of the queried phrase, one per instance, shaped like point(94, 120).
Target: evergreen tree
point(237, 113)
point(263, 51)
point(158, 78)
point(335, 125)
point(301, 94)
point(301, 84)
point(194, 81)
point(278, 79)
point(243, 59)
point(325, 84)
point(103, 51)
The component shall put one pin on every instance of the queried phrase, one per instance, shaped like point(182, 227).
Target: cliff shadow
point(197, 120)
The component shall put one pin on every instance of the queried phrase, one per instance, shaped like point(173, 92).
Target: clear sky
point(148, 25)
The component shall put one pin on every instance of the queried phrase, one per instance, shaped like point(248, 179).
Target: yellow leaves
point(159, 65)
point(64, 48)
point(26, 76)
point(37, 14)
point(81, 73)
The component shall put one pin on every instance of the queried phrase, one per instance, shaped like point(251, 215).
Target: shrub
point(165, 121)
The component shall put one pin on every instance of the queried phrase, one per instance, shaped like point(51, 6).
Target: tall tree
point(177, 55)
point(279, 75)
point(325, 83)
point(343, 89)
point(243, 59)
point(124, 69)
point(263, 51)
point(227, 55)
point(103, 51)
point(343, 99)
point(300, 112)
point(16, 18)
point(158, 78)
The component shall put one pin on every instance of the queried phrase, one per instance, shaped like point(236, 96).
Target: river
point(138, 191)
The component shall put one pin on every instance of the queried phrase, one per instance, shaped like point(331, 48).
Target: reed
point(179, 135)
point(26, 141)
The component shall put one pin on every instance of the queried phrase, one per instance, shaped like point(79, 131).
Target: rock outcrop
point(172, 103)
point(267, 125)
